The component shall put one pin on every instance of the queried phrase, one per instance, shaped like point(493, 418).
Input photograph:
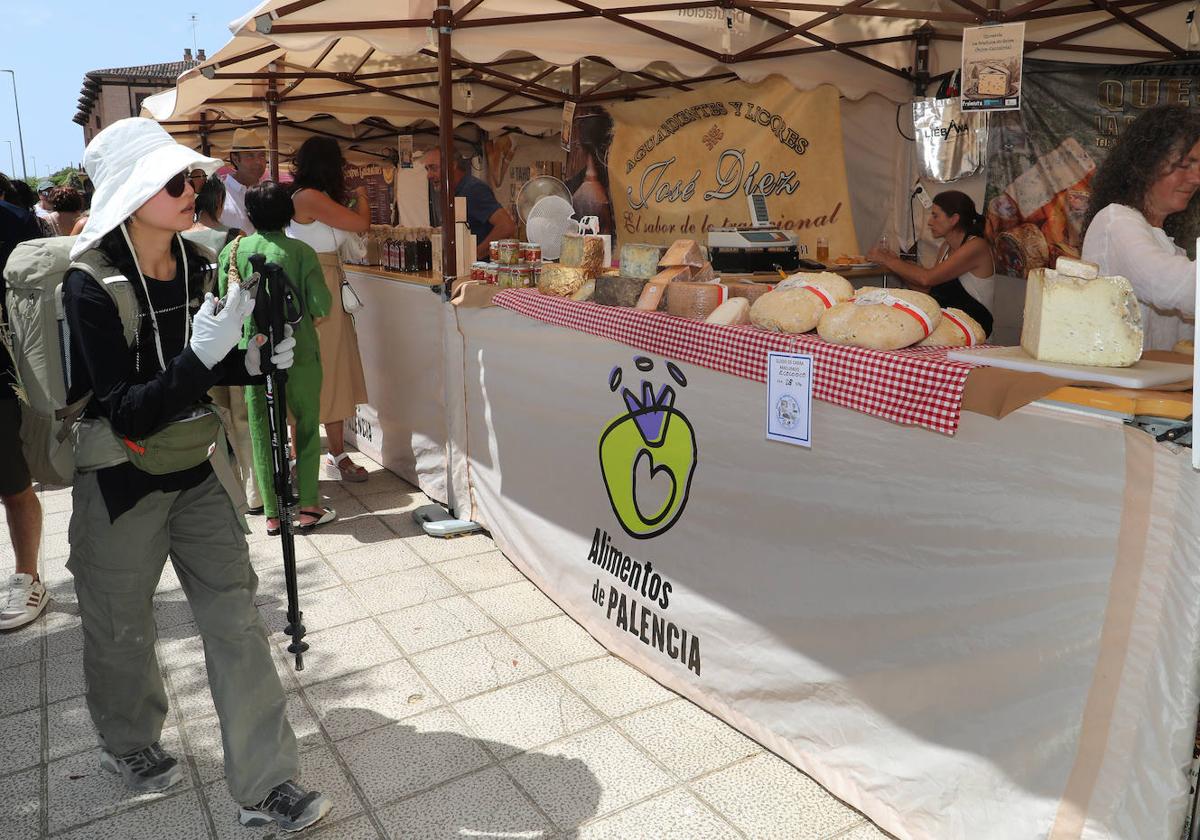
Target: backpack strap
point(117, 286)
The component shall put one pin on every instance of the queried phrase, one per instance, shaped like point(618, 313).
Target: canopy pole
point(442, 21)
point(205, 146)
point(273, 125)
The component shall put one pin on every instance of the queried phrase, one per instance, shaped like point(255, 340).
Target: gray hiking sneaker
point(289, 806)
point(145, 771)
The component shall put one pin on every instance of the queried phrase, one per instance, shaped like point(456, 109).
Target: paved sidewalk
point(443, 697)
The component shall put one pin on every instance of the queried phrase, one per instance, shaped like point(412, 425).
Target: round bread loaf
point(881, 319)
point(957, 329)
point(797, 304)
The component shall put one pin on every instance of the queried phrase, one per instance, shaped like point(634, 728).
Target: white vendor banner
point(990, 636)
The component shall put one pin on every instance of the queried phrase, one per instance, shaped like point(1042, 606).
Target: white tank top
point(322, 238)
point(983, 289)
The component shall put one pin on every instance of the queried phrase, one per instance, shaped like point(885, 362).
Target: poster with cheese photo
point(655, 170)
point(991, 67)
point(1041, 159)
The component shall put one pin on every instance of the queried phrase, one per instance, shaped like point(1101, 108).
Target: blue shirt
point(481, 204)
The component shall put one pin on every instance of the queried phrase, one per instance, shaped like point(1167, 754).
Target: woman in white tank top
point(323, 221)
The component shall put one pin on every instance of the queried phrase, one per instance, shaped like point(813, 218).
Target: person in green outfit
point(269, 206)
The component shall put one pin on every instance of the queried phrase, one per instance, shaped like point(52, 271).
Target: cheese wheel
point(703, 274)
point(640, 260)
point(682, 252)
point(731, 313)
point(797, 304)
point(673, 274)
point(585, 291)
point(560, 280)
point(615, 290)
point(1081, 321)
point(881, 319)
point(957, 329)
point(694, 300)
point(746, 289)
point(585, 252)
point(1021, 250)
point(651, 296)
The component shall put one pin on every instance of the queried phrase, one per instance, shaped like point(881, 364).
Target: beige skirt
point(342, 383)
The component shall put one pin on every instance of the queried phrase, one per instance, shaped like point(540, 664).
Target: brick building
point(116, 93)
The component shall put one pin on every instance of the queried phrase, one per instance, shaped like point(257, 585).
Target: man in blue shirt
point(485, 217)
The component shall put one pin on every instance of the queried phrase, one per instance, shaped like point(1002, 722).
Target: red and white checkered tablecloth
point(916, 386)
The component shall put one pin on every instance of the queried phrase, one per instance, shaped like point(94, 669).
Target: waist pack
point(183, 443)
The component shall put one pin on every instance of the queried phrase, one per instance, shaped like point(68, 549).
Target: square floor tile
point(411, 756)
point(356, 828)
point(485, 804)
point(393, 501)
point(312, 575)
point(379, 480)
point(319, 770)
point(341, 650)
point(401, 522)
point(71, 729)
point(192, 695)
point(672, 816)
point(437, 623)
point(80, 791)
point(320, 610)
point(558, 641)
point(175, 818)
point(480, 571)
point(526, 715)
point(587, 775)
point(64, 676)
point(687, 739)
point(436, 549)
point(18, 647)
point(374, 560)
point(20, 687)
point(767, 797)
point(180, 646)
point(171, 609)
point(614, 687)
point(268, 553)
point(350, 532)
point(403, 589)
point(21, 740)
point(516, 603)
point(864, 831)
point(479, 664)
point(371, 698)
point(20, 802)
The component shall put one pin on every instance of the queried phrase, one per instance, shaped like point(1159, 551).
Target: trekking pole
point(276, 304)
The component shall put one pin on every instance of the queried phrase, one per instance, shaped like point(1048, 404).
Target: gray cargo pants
point(117, 566)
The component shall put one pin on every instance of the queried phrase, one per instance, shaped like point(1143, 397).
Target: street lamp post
point(20, 136)
point(12, 165)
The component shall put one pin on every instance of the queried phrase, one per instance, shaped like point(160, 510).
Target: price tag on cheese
point(789, 398)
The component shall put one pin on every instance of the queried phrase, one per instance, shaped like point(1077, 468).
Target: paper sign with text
point(789, 398)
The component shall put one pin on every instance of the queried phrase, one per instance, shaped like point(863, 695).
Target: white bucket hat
point(129, 162)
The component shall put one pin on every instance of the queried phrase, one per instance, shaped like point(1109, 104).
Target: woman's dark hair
point(5, 187)
point(211, 197)
point(269, 206)
point(319, 165)
point(66, 200)
point(1141, 155)
point(23, 195)
point(955, 203)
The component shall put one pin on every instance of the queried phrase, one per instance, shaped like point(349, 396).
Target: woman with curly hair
point(1147, 182)
point(323, 220)
point(66, 208)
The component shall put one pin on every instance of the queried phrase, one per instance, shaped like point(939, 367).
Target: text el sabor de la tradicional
point(634, 616)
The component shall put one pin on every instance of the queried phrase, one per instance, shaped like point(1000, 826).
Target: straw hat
point(128, 163)
point(247, 140)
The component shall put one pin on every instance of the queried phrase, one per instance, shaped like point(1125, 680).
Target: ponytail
point(956, 203)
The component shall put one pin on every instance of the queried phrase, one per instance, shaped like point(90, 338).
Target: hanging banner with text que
point(678, 167)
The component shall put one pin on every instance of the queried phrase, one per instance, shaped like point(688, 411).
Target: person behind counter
point(485, 217)
point(248, 154)
point(963, 276)
point(1146, 184)
point(323, 221)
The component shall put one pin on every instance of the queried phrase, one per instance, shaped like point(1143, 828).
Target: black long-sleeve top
point(129, 386)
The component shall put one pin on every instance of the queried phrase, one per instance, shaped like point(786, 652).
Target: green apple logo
point(649, 450)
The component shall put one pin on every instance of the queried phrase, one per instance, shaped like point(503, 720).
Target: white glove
point(215, 333)
point(283, 356)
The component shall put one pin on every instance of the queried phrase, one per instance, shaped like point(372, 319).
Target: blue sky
point(52, 43)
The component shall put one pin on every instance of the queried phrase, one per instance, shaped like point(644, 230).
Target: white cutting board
point(1145, 374)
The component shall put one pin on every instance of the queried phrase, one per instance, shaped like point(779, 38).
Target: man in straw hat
point(153, 478)
point(248, 155)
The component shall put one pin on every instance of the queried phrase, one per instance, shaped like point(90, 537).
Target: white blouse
point(1122, 242)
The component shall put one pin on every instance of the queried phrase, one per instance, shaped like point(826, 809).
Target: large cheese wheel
point(797, 304)
point(560, 280)
point(881, 319)
point(957, 329)
point(616, 290)
point(694, 300)
point(746, 289)
point(1021, 250)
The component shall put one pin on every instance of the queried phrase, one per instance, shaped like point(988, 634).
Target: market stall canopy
point(859, 45)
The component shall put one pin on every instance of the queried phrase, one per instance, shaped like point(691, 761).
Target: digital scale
point(760, 248)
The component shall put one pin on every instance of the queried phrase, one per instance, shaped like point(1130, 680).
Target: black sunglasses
point(175, 186)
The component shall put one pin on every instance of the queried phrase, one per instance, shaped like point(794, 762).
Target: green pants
point(117, 565)
point(303, 391)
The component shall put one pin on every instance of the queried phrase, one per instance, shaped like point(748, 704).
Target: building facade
point(113, 94)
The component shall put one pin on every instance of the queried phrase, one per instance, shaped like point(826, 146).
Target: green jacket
point(299, 260)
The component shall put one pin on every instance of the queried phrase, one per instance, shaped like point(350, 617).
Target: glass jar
point(510, 252)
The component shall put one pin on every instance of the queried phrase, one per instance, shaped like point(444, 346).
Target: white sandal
point(345, 469)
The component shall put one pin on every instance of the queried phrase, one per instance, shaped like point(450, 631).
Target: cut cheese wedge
point(1081, 321)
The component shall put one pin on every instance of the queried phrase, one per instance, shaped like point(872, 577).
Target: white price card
point(789, 398)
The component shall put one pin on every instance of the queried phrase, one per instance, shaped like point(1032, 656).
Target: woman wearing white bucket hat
point(153, 478)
